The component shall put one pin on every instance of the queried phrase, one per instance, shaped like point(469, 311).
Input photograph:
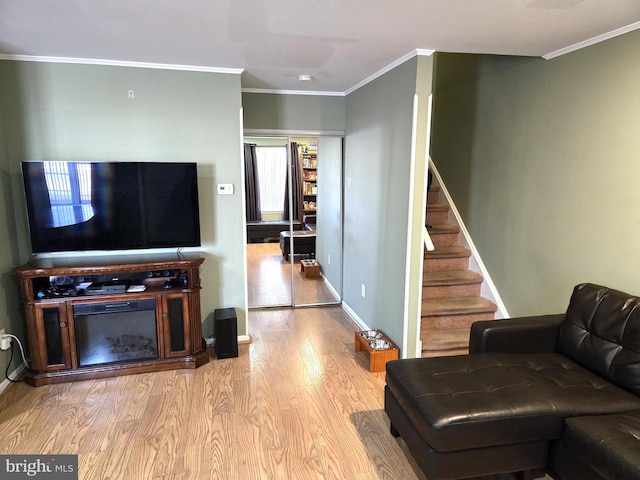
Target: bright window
point(272, 178)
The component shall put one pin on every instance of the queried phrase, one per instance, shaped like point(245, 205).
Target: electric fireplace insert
point(119, 331)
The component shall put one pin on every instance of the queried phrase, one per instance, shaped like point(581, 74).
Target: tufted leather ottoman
point(304, 243)
point(607, 446)
point(494, 409)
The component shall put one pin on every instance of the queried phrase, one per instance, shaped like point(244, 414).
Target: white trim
point(243, 200)
point(592, 41)
point(211, 341)
point(371, 78)
point(354, 316)
point(15, 374)
point(407, 260)
point(489, 290)
point(293, 92)
point(261, 132)
point(426, 239)
point(332, 290)
point(388, 68)
point(121, 63)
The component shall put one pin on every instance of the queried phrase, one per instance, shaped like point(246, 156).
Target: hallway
point(269, 279)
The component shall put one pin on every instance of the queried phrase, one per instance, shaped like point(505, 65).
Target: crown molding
point(119, 63)
point(391, 66)
point(292, 92)
point(379, 73)
point(592, 41)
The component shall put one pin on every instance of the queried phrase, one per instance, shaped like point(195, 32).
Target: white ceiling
point(339, 43)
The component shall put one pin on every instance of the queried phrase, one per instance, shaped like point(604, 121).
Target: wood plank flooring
point(297, 403)
point(269, 279)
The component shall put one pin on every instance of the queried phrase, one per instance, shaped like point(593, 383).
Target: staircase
point(451, 299)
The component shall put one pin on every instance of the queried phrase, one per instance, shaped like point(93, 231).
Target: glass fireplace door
point(111, 332)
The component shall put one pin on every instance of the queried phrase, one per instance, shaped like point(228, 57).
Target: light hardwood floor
point(269, 279)
point(296, 403)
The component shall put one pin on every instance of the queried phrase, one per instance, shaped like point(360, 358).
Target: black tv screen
point(83, 206)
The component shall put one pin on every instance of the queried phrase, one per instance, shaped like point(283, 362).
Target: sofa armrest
point(536, 334)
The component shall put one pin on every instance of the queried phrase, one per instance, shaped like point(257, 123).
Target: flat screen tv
point(90, 206)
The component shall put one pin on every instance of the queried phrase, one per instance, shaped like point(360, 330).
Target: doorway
point(294, 224)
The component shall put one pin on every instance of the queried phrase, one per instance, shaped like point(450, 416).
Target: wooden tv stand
point(53, 289)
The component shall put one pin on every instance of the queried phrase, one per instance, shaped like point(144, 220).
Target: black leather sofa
point(556, 393)
point(269, 231)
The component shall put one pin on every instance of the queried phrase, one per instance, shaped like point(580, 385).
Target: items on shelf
point(309, 188)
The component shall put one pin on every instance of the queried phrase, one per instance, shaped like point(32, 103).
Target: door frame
point(289, 134)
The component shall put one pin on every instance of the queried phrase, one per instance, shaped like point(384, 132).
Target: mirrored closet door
point(294, 220)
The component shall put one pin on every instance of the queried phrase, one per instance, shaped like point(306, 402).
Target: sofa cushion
point(471, 401)
point(609, 444)
point(601, 332)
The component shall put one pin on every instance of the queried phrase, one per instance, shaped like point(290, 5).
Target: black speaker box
point(225, 325)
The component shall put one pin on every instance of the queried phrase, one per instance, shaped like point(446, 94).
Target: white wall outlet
point(225, 189)
point(363, 291)
point(328, 259)
point(5, 343)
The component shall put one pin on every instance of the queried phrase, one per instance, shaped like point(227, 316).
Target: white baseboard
point(241, 339)
point(15, 374)
point(327, 284)
point(356, 319)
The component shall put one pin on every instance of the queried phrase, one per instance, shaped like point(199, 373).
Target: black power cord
point(6, 373)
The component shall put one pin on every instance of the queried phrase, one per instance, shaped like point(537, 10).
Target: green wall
point(378, 183)
point(329, 214)
point(272, 111)
point(83, 112)
point(10, 140)
point(541, 158)
point(378, 205)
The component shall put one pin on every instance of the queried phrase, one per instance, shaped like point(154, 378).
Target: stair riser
point(445, 264)
point(447, 333)
point(443, 322)
point(444, 239)
point(451, 291)
point(437, 217)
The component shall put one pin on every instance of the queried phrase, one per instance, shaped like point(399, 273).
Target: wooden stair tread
point(451, 292)
point(456, 306)
point(437, 207)
point(448, 252)
point(458, 277)
point(443, 228)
